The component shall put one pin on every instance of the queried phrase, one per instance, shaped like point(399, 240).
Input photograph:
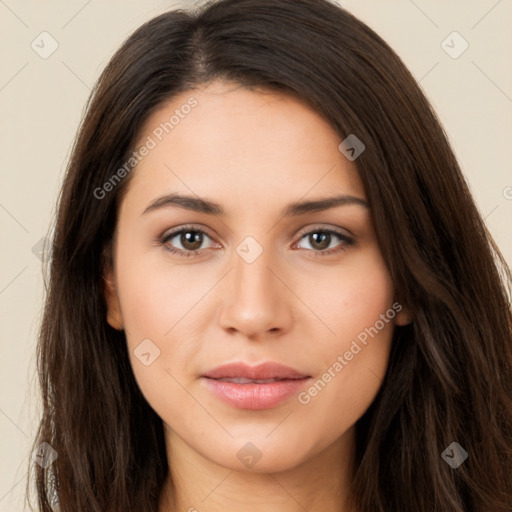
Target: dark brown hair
point(450, 371)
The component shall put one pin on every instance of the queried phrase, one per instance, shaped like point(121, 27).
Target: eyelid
point(325, 227)
point(192, 227)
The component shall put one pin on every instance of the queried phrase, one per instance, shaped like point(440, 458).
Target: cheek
point(155, 296)
point(357, 305)
point(157, 303)
point(353, 298)
point(158, 340)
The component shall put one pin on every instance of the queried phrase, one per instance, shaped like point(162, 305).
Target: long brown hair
point(450, 372)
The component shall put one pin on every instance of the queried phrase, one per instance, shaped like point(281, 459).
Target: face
point(297, 298)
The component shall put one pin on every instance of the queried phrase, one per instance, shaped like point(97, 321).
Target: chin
point(261, 456)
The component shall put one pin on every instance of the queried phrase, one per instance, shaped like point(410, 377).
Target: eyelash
point(346, 241)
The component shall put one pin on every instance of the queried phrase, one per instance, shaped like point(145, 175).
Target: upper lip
point(269, 370)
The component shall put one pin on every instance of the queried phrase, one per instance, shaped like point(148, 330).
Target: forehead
point(241, 145)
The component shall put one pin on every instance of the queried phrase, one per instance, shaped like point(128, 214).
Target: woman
point(270, 288)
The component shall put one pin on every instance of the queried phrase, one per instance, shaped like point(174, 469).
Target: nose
point(255, 299)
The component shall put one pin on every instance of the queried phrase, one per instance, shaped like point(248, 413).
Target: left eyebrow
point(208, 207)
point(318, 205)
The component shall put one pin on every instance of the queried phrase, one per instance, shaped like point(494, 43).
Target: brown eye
point(185, 241)
point(191, 240)
point(320, 241)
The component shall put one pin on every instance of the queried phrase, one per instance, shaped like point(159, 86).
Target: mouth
point(264, 386)
point(244, 380)
point(264, 371)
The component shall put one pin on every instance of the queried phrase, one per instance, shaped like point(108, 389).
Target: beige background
point(41, 102)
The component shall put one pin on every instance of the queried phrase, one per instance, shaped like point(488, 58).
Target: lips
point(254, 387)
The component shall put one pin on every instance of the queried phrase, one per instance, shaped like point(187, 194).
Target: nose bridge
point(251, 275)
point(254, 300)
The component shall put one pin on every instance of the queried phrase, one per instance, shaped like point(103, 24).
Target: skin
point(253, 152)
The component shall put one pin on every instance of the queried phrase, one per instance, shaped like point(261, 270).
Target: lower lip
point(254, 396)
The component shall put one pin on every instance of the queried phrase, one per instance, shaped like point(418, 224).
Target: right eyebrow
point(192, 203)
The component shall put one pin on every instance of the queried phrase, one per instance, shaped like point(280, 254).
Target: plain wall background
point(42, 100)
